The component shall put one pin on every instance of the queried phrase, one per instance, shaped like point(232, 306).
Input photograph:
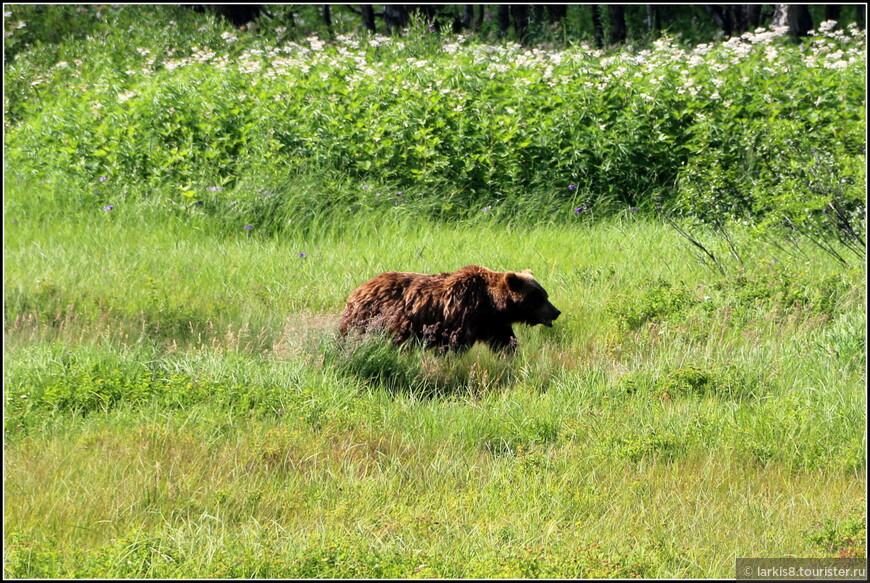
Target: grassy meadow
point(176, 402)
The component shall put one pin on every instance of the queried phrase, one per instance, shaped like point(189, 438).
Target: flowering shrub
point(709, 129)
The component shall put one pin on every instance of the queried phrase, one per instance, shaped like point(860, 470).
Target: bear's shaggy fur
point(449, 311)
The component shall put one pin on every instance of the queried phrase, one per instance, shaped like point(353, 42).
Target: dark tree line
point(608, 21)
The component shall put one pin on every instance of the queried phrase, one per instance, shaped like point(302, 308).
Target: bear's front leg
point(502, 340)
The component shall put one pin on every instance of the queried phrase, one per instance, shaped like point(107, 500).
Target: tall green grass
point(244, 440)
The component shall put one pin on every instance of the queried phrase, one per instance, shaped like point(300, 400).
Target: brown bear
point(449, 311)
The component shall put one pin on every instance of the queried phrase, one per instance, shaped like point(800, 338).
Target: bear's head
point(528, 300)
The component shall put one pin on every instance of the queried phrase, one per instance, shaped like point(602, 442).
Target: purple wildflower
point(303, 255)
point(580, 209)
point(103, 178)
point(199, 203)
point(634, 209)
point(213, 188)
point(249, 228)
point(572, 187)
point(109, 207)
point(365, 187)
point(486, 208)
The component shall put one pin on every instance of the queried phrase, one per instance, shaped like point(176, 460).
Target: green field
point(176, 403)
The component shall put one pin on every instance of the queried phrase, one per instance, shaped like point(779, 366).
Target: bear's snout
point(548, 314)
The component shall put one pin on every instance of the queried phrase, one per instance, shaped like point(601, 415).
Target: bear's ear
point(514, 282)
point(528, 272)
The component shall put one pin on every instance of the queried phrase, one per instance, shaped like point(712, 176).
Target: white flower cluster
point(697, 71)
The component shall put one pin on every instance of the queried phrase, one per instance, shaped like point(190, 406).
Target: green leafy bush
point(750, 129)
point(846, 538)
point(794, 179)
point(654, 301)
point(788, 291)
point(651, 443)
point(721, 380)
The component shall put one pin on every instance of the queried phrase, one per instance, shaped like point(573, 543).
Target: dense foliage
point(755, 129)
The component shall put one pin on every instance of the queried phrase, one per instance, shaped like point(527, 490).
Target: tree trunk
point(753, 16)
point(617, 24)
point(795, 16)
point(520, 13)
point(237, 14)
point(739, 18)
point(504, 19)
point(833, 11)
point(597, 29)
point(800, 20)
point(734, 19)
point(368, 16)
point(396, 16)
point(468, 21)
point(558, 12)
point(327, 18)
point(717, 13)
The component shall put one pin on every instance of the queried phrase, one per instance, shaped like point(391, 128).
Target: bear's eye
point(535, 297)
